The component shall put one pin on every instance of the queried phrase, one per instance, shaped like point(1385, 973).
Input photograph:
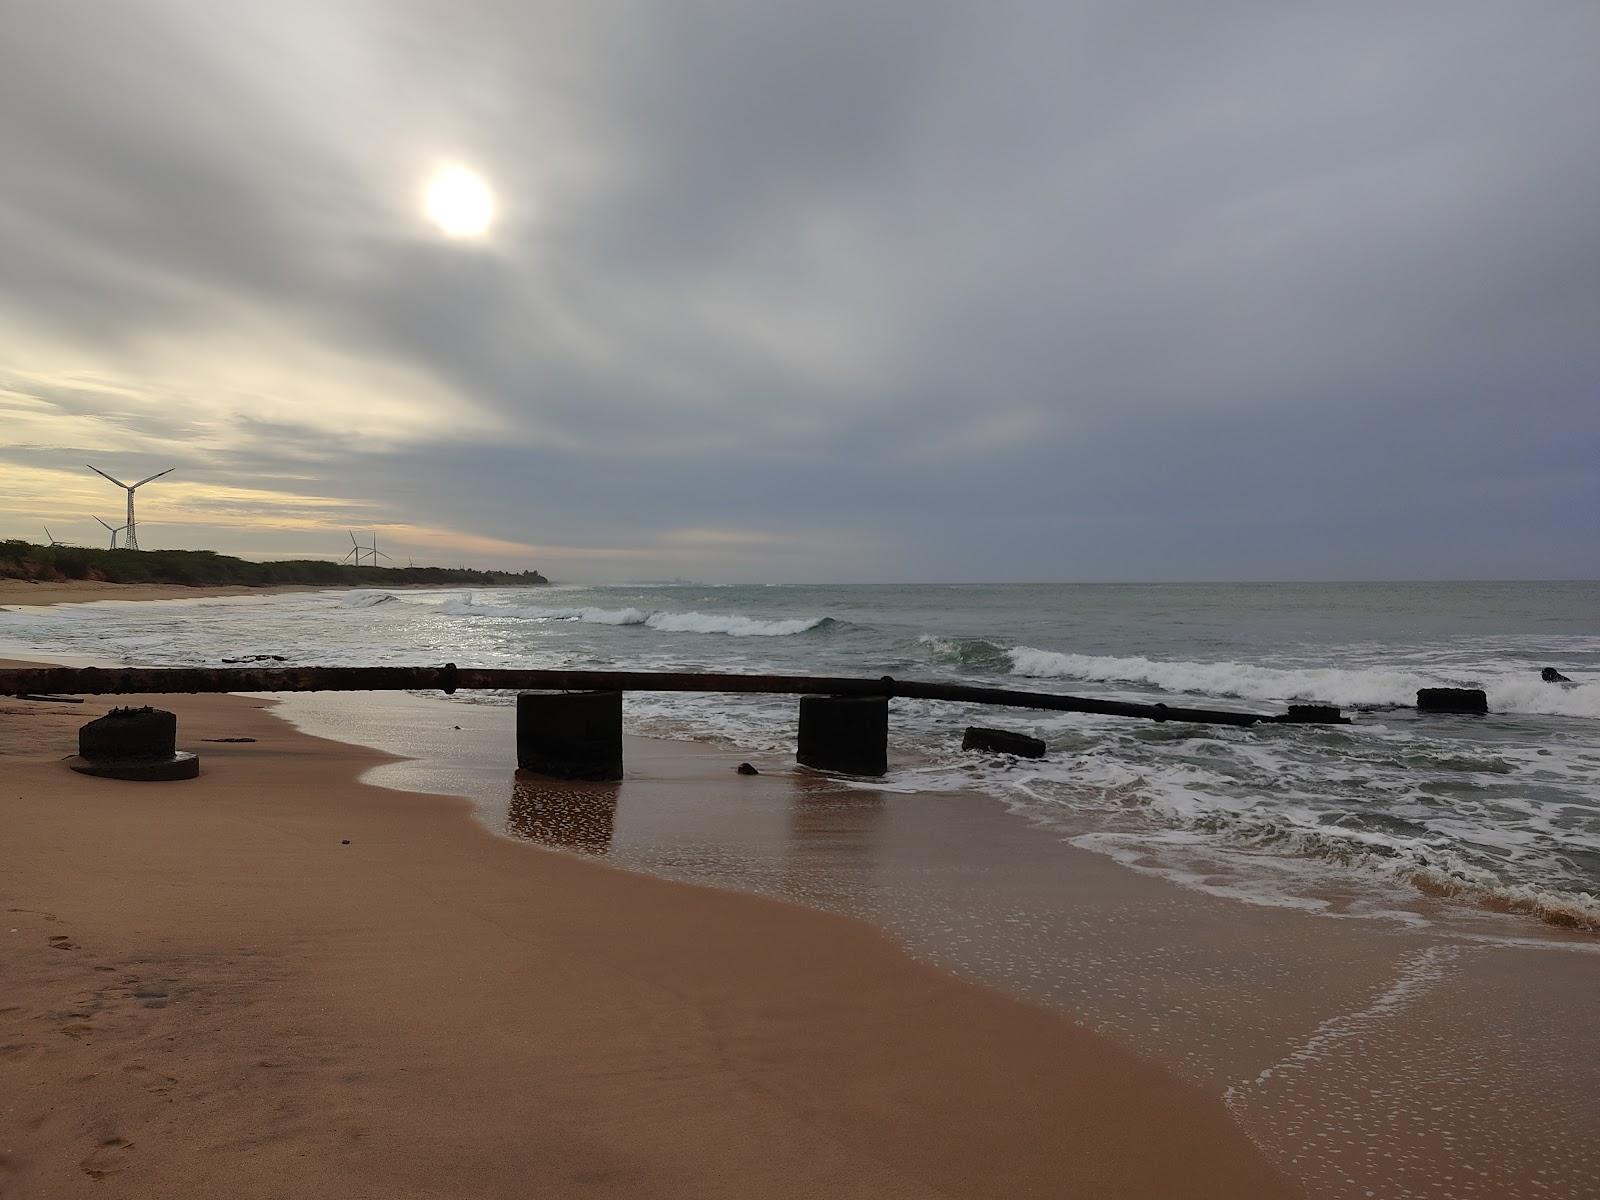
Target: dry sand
point(277, 981)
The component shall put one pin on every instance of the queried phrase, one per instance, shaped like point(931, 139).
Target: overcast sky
point(898, 290)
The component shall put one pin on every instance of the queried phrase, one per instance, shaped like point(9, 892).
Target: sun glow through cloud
point(459, 202)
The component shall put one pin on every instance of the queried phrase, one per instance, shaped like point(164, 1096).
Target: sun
point(459, 202)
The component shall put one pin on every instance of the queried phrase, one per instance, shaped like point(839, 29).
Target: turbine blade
point(104, 524)
point(103, 475)
point(352, 534)
point(157, 475)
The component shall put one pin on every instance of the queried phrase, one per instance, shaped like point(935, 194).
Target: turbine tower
point(115, 529)
point(130, 539)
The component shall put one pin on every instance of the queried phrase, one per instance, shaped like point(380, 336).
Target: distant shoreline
point(23, 592)
point(27, 592)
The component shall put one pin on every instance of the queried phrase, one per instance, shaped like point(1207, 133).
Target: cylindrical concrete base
point(849, 734)
point(570, 735)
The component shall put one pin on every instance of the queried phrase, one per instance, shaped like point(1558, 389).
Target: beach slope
point(276, 981)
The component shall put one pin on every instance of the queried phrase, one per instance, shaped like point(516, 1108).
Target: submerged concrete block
point(1002, 741)
point(1312, 714)
point(1452, 700)
point(848, 734)
point(570, 735)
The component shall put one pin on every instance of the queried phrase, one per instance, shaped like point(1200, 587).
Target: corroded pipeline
point(104, 681)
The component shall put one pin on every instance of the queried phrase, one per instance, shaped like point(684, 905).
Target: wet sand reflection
point(568, 814)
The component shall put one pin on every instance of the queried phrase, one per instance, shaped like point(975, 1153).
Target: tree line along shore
point(206, 568)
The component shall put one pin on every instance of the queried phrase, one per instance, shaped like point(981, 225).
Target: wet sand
point(278, 981)
point(79, 591)
point(1365, 1057)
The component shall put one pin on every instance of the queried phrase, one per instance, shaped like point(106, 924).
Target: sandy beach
point(79, 591)
point(278, 981)
point(364, 952)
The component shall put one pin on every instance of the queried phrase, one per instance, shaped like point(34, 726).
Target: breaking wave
point(366, 599)
point(964, 652)
point(731, 624)
point(1347, 687)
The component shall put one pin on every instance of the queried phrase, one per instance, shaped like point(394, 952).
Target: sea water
point(1483, 815)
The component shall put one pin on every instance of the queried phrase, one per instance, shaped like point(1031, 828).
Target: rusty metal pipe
point(111, 681)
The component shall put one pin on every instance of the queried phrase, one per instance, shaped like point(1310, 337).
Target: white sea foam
point(1330, 685)
point(731, 624)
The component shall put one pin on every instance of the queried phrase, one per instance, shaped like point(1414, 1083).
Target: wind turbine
point(52, 540)
point(356, 548)
point(115, 529)
point(130, 540)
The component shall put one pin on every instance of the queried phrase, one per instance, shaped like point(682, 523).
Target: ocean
point(1492, 821)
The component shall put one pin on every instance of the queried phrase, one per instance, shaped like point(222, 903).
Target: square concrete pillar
point(848, 734)
point(570, 735)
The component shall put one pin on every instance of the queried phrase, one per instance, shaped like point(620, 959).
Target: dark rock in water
point(239, 739)
point(1452, 700)
point(1551, 675)
point(1312, 714)
point(344, 841)
point(746, 769)
point(257, 658)
point(1002, 741)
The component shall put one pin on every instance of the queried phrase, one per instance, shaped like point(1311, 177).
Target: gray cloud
point(1018, 291)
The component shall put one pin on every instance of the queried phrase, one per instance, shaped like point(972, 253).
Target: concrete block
point(1002, 741)
point(848, 734)
point(1452, 700)
point(570, 735)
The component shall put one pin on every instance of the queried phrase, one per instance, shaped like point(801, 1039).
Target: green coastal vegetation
point(202, 568)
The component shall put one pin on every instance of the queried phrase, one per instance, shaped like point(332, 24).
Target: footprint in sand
point(109, 1157)
point(77, 1030)
point(62, 942)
